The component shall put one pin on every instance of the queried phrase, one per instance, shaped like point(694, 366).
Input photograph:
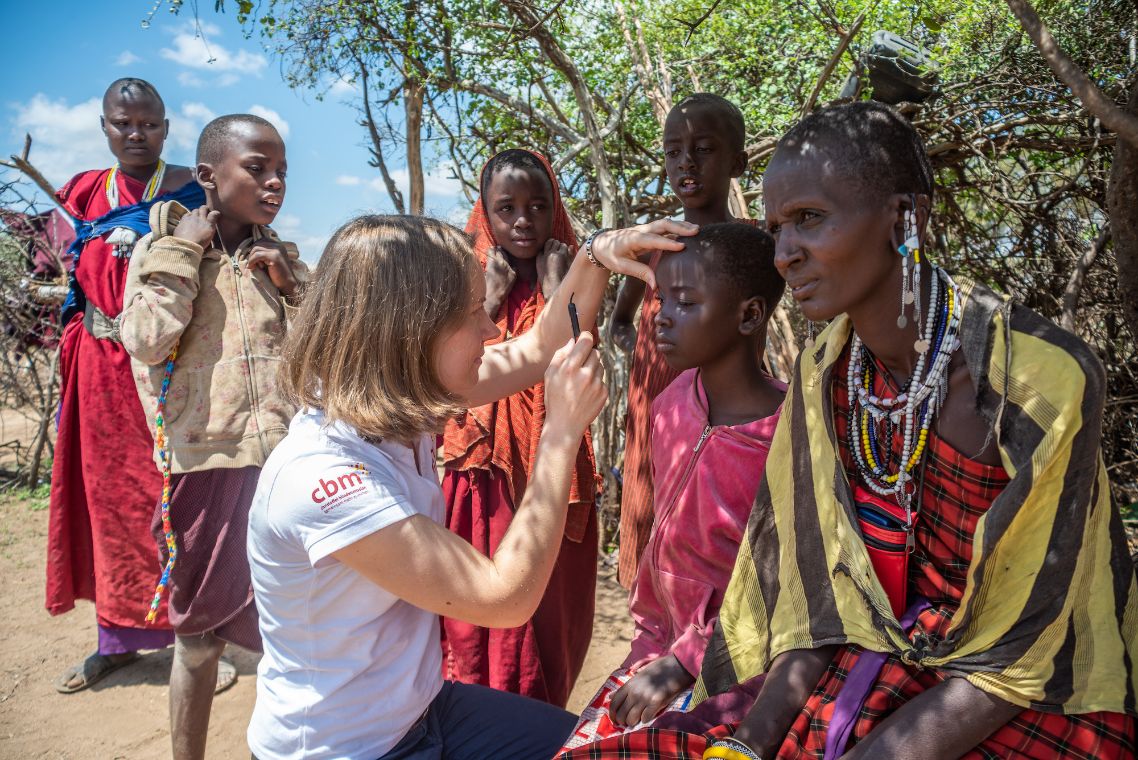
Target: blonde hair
point(361, 347)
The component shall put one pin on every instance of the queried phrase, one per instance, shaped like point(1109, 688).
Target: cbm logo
point(341, 485)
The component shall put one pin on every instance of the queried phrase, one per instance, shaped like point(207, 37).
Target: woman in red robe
point(104, 481)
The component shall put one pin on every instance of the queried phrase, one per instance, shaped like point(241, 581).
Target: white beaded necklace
point(905, 409)
point(122, 239)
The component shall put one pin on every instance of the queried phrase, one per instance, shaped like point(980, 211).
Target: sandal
point(92, 670)
point(226, 675)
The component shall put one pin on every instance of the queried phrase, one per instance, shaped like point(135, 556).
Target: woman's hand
point(618, 250)
point(649, 691)
point(500, 277)
point(552, 265)
point(574, 388)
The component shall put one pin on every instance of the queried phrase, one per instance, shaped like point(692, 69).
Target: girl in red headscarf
point(524, 240)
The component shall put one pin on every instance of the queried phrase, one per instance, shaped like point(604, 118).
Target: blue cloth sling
point(135, 217)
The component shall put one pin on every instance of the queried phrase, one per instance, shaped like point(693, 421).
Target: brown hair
point(361, 347)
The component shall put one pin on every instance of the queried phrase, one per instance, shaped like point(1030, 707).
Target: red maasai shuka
point(647, 378)
point(488, 454)
point(104, 481)
point(956, 494)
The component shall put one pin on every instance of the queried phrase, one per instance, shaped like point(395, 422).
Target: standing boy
point(703, 152)
point(203, 321)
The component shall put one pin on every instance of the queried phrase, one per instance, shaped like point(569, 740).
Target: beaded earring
point(809, 334)
point(910, 251)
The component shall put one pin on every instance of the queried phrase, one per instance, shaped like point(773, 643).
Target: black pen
point(573, 318)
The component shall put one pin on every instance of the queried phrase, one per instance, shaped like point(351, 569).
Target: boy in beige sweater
point(214, 285)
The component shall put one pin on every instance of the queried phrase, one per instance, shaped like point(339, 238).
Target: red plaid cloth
point(957, 492)
point(658, 744)
point(594, 722)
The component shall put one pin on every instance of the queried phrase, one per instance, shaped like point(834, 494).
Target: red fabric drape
point(104, 481)
point(489, 454)
point(505, 434)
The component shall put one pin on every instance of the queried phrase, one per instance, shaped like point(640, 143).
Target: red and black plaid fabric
point(956, 493)
point(658, 744)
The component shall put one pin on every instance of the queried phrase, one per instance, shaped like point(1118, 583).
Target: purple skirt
point(210, 590)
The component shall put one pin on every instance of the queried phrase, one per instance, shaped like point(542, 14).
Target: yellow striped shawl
point(1049, 618)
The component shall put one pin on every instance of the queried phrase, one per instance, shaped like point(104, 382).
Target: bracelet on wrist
point(589, 246)
point(729, 748)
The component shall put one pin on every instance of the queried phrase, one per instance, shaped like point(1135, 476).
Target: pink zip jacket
point(705, 478)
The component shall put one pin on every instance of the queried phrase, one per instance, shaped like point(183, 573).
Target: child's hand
point(623, 334)
point(574, 389)
point(270, 255)
point(649, 691)
point(552, 265)
point(198, 226)
point(500, 277)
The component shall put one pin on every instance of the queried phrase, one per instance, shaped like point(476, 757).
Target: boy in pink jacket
point(711, 431)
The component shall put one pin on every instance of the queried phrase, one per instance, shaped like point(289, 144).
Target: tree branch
point(377, 144)
point(1092, 98)
point(21, 164)
point(1070, 298)
point(844, 43)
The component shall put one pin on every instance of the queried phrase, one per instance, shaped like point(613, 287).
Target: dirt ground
point(124, 715)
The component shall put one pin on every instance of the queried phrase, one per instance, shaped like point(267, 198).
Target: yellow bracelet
point(724, 753)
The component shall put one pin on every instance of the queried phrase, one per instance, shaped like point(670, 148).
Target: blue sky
point(64, 54)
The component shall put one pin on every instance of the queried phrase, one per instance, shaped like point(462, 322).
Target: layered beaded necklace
point(122, 239)
point(874, 420)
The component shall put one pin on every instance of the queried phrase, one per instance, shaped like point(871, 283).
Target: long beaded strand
point(164, 454)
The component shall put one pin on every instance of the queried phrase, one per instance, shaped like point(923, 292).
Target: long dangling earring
point(910, 270)
point(809, 334)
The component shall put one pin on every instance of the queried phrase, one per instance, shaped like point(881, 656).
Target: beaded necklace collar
point(875, 420)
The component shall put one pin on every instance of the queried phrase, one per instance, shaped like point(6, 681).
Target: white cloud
point(348, 180)
point(437, 184)
point(126, 58)
point(290, 228)
point(186, 125)
point(66, 138)
point(198, 48)
point(342, 86)
point(272, 116)
point(190, 79)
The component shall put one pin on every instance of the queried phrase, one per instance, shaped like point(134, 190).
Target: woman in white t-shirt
point(351, 563)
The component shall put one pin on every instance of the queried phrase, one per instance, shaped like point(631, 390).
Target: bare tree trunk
point(1074, 289)
point(612, 203)
point(1122, 205)
point(43, 429)
point(413, 109)
point(377, 159)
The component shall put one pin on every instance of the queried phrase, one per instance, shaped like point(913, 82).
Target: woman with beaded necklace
point(933, 567)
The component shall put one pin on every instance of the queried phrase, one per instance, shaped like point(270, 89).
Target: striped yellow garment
point(1049, 617)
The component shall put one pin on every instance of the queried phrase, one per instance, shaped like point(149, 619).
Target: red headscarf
point(506, 432)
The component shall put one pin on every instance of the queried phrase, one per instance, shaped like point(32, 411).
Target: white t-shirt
point(348, 667)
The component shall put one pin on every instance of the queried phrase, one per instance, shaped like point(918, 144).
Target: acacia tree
point(1023, 167)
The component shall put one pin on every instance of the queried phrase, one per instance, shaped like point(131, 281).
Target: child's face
point(458, 350)
point(519, 203)
point(699, 316)
point(697, 158)
point(136, 128)
point(832, 242)
point(249, 178)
